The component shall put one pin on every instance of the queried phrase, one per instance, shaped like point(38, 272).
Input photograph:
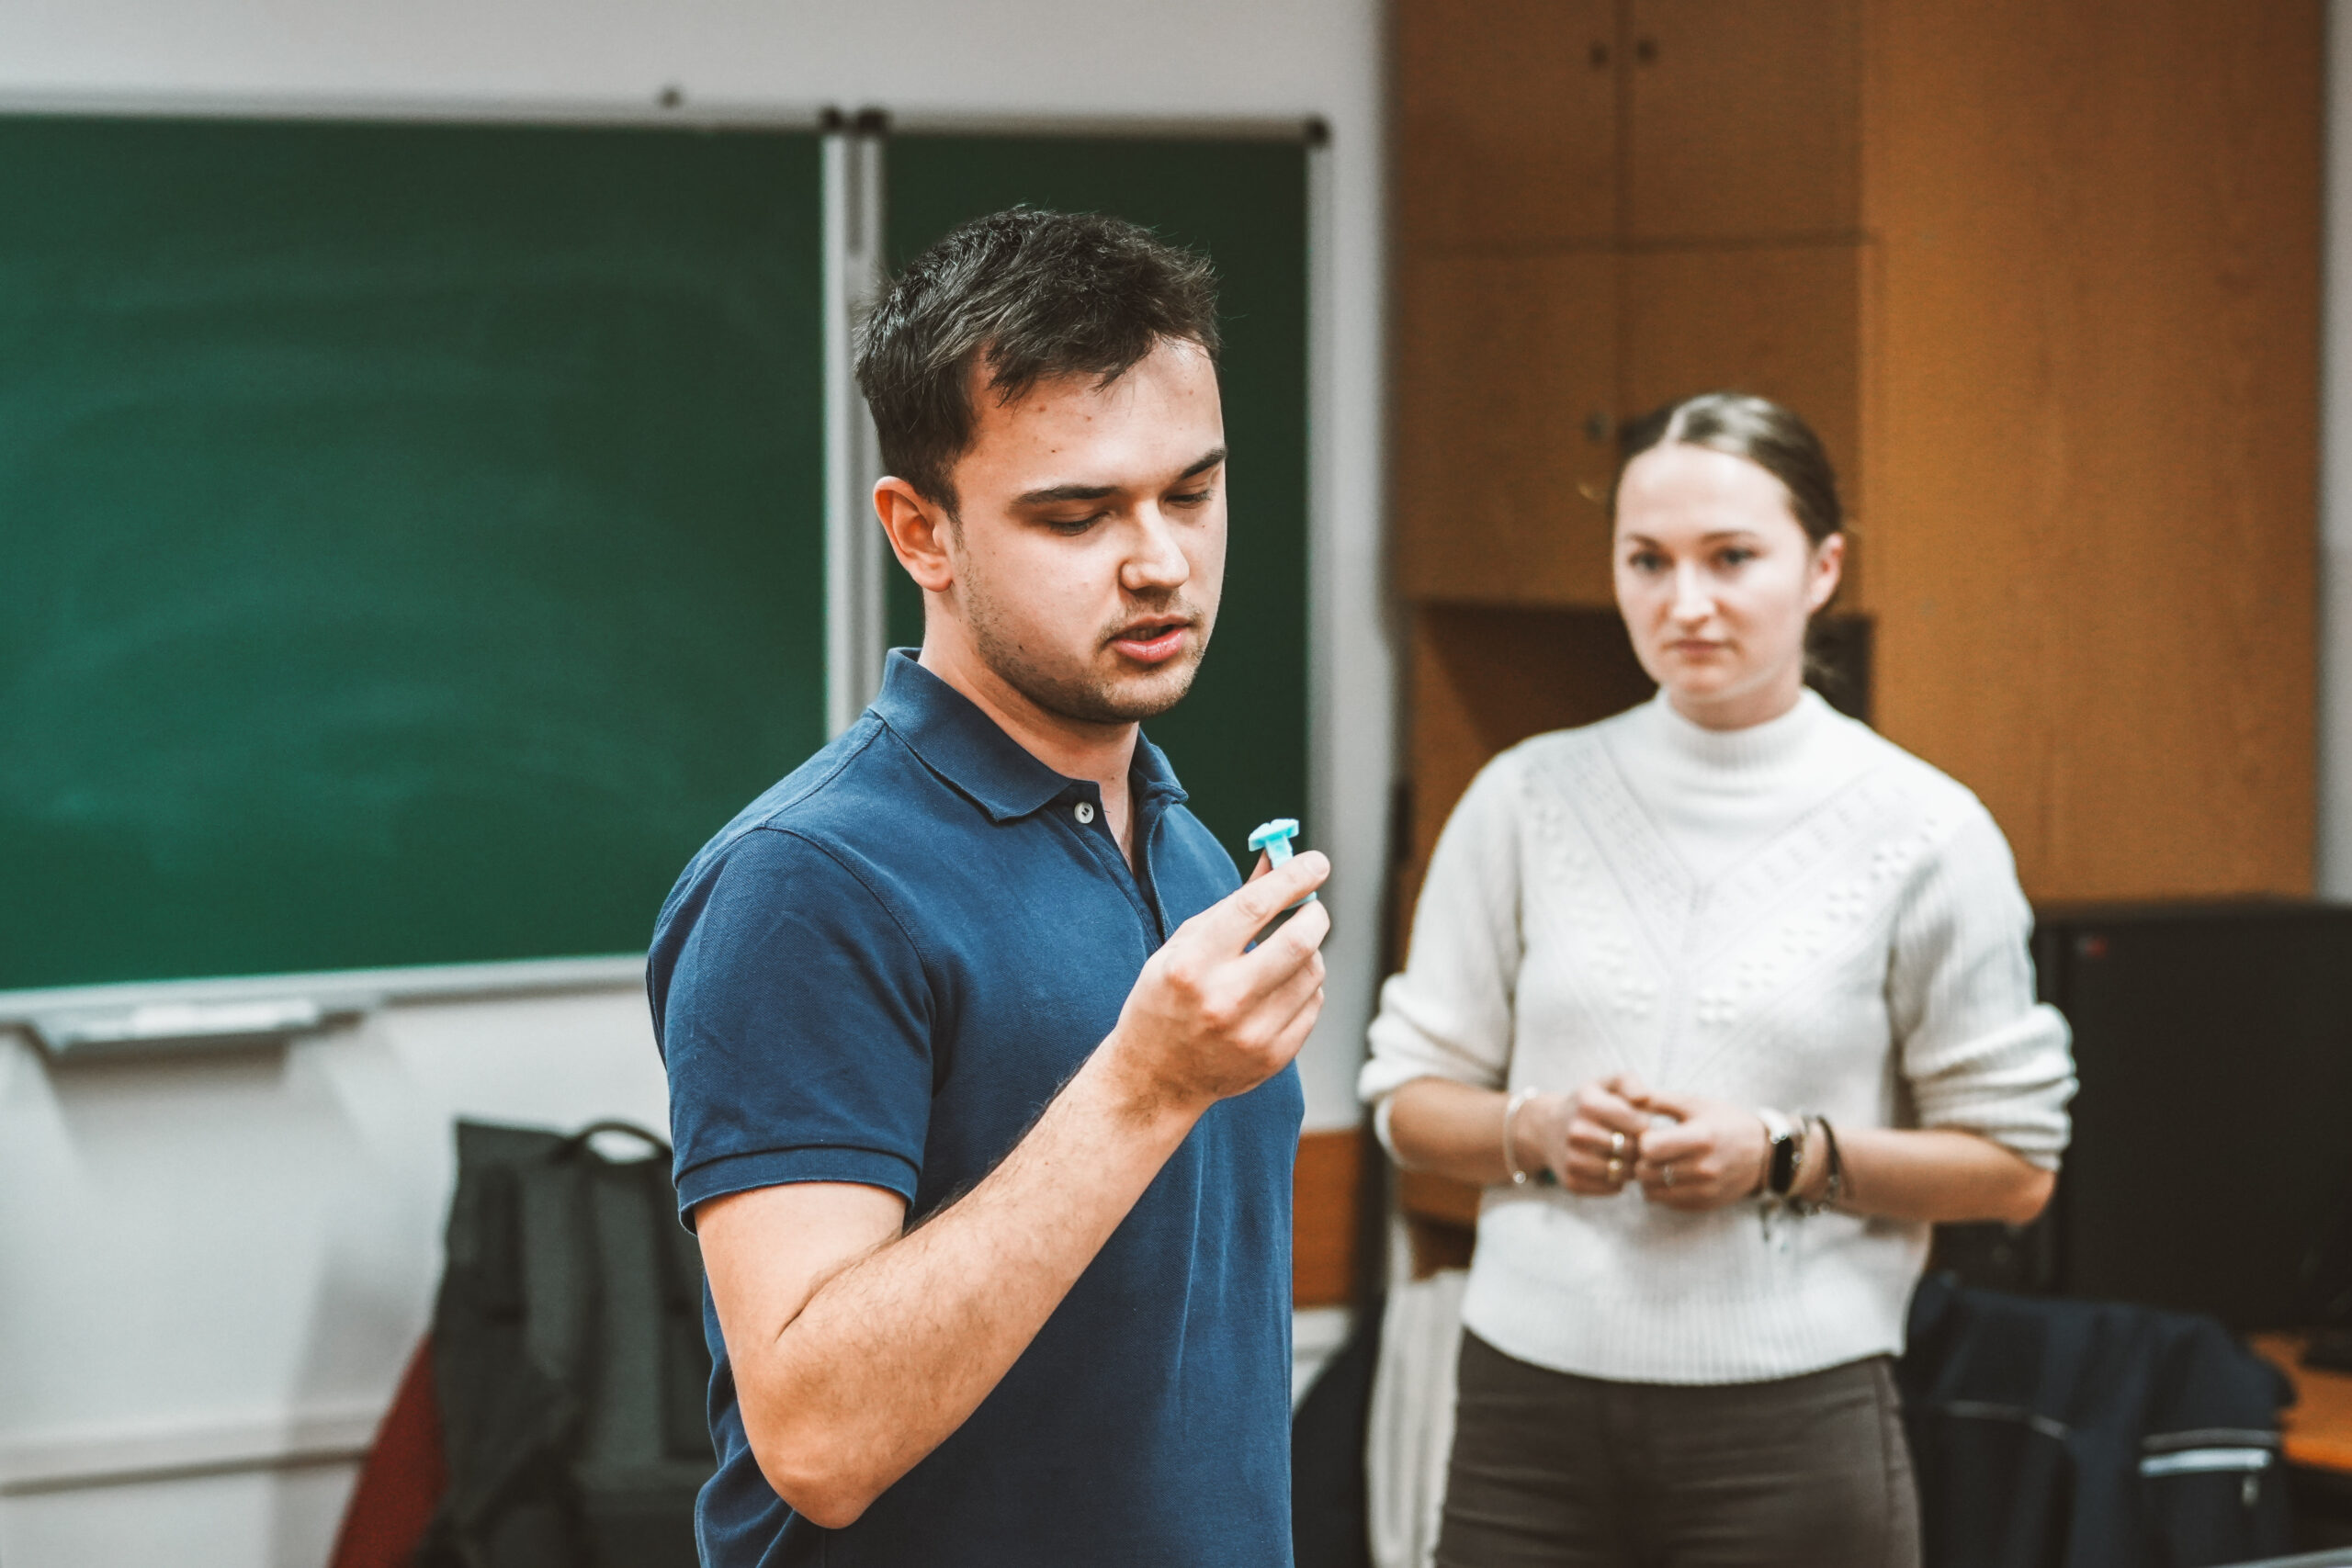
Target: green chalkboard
point(410, 540)
point(1238, 741)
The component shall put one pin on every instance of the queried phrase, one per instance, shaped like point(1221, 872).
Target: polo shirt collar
point(965, 746)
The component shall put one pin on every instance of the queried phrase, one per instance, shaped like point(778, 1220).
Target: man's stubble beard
point(1084, 698)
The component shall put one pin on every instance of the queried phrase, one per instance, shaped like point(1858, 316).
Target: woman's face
point(1717, 578)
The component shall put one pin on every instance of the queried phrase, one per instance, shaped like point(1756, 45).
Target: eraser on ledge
point(1274, 838)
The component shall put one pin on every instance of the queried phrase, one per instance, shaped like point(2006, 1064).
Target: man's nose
point(1157, 562)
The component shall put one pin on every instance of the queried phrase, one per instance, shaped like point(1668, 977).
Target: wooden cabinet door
point(1507, 122)
point(1743, 119)
point(1506, 369)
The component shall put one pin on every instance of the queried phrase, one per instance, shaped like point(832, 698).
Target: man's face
point(1090, 549)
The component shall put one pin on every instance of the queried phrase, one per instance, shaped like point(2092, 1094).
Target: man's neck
point(1072, 748)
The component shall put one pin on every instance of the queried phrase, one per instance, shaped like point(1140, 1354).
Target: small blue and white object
point(1274, 838)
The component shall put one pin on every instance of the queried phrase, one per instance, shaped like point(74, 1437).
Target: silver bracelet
point(1519, 1097)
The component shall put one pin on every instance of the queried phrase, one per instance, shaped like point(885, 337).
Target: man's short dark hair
point(1034, 294)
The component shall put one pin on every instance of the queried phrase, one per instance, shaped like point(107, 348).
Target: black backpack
point(568, 1355)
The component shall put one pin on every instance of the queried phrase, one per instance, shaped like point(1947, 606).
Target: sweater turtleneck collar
point(1757, 749)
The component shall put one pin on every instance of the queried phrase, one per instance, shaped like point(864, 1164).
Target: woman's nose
point(1692, 603)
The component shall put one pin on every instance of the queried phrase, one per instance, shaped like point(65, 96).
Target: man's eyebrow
point(1209, 459)
point(1051, 494)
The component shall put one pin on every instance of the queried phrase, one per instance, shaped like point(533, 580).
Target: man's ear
point(917, 529)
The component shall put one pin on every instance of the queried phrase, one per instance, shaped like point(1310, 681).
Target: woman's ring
point(1616, 1146)
point(1665, 1175)
point(1616, 1170)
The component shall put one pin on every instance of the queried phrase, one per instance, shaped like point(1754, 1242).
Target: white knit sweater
point(1798, 915)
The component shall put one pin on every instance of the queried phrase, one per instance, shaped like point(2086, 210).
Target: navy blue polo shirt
point(881, 972)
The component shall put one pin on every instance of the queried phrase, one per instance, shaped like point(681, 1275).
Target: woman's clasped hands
point(1682, 1152)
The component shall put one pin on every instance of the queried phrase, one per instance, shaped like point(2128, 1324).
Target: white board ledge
point(82, 1022)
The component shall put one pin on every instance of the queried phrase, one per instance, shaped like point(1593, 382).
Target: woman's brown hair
point(1768, 435)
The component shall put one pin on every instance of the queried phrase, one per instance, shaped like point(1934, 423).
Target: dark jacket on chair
point(2065, 1434)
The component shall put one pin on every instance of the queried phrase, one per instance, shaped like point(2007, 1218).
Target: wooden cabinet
point(2093, 432)
point(1681, 217)
point(1507, 122)
point(1743, 119)
point(1505, 397)
point(2046, 285)
point(1783, 321)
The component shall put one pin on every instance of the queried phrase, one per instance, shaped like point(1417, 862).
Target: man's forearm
point(893, 1353)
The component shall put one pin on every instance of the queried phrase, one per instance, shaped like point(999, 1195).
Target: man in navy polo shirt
point(981, 1091)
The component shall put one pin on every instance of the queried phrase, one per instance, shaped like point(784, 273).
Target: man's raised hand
point(1212, 1015)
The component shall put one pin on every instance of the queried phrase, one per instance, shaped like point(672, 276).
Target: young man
point(982, 1097)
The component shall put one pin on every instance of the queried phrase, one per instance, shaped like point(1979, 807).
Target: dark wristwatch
point(1788, 1150)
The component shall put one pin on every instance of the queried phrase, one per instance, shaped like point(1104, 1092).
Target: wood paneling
point(2093, 428)
point(1327, 1187)
point(1507, 122)
point(1506, 384)
point(1743, 119)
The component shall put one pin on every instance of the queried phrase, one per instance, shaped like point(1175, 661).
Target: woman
point(1724, 999)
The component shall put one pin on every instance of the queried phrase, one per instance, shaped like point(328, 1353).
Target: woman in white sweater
point(1724, 1000)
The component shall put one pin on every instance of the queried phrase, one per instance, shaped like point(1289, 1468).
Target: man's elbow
point(821, 1500)
point(806, 1468)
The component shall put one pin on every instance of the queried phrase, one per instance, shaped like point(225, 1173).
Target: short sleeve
point(795, 1020)
point(1449, 1013)
point(1978, 1052)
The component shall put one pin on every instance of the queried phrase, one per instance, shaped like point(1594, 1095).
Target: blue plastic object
point(1274, 838)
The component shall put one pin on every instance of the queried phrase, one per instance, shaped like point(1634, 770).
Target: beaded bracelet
point(1835, 1188)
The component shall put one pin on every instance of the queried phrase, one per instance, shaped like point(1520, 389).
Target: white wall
point(212, 1267)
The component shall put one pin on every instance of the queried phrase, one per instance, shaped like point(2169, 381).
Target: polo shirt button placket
point(1083, 811)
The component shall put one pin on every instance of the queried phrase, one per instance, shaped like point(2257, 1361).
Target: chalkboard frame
point(235, 1011)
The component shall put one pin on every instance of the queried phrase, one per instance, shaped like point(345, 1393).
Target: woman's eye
point(1645, 560)
point(1737, 555)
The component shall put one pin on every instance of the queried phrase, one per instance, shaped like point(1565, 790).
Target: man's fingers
point(1291, 991)
point(1302, 1023)
point(1234, 920)
point(1290, 948)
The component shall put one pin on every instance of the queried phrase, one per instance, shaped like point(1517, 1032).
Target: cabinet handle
point(1599, 57)
point(1645, 50)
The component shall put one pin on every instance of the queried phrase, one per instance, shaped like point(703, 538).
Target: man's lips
point(1152, 642)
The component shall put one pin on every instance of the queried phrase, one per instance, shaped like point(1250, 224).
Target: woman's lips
point(1152, 644)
